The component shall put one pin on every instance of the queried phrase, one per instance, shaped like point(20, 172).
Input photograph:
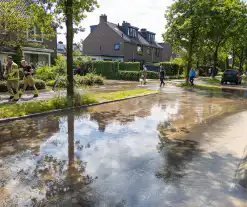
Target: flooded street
point(177, 148)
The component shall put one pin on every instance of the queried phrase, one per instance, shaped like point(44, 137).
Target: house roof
point(139, 40)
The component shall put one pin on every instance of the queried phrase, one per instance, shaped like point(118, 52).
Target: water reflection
point(26, 134)
point(123, 154)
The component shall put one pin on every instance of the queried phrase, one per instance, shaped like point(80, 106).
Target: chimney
point(102, 18)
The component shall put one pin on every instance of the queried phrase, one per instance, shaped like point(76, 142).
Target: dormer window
point(132, 32)
point(151, 37)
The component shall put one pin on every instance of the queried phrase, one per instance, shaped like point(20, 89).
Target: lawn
point(30, 107)
point(200, 86)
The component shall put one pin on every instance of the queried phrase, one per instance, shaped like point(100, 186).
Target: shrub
point(172, 69)
point(46, 73)
point(134, 75)
point(152, 75)
point(128, 75)
point(40, 84)
point(107, 69)
point(129, 66)
point(89, 79)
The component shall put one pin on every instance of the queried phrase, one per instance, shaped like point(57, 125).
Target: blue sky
point(140, 13)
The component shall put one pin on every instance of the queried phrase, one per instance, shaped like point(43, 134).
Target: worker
point(11, 74)
point(28, 79)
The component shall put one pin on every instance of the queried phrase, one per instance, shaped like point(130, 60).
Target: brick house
point(167, 52)
point(36, 55)
point(41, 55)
point(109, 41)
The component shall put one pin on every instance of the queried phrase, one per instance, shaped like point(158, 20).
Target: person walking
point(162, 76)
point(11, 73)
point(28, 79)
point(145, 74)
point(192, 76)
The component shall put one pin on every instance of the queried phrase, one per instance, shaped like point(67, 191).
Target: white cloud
point(140, 13)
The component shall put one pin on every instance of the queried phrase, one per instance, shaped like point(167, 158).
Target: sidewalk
point(110, 86)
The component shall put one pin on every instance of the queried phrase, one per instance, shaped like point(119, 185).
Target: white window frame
point(34, 40)
point(38, 53)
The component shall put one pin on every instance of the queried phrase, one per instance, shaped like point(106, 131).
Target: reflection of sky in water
point(124, 157)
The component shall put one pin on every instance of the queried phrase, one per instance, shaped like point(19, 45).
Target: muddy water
point(172, 149)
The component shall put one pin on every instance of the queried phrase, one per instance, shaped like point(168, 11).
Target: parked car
point(232, 76)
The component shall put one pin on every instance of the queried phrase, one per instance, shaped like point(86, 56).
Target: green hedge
point(128, 75)
point(40, 84)
point(89, 80)
point(135, 76)
point(172, 69)
point(107, 69)
point(129, 66)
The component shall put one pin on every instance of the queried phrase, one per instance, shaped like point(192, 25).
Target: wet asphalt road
point(178, 148)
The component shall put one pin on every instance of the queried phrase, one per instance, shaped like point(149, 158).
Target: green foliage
point(129, 66)
point(128, 75)
point(40, 84)
point(107, 69)
point(207, 31)
point(135, 76)
point(15, 26)
point(46, 73)
point(172, 69)
point(61, 64)
point(59, 11)
point(89, 80)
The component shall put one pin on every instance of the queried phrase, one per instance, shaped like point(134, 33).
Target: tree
point(184, 27)
point(221, 24)
point(17, 19)
point(70, 12)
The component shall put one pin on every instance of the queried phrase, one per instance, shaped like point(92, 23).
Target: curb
point(71, 108)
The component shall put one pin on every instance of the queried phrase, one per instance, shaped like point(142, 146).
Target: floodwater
point(177, 148)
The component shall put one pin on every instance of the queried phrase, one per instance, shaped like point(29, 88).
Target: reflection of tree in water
point(26, 133)
point(177, 153)
point(60, 180)
point(123, 112)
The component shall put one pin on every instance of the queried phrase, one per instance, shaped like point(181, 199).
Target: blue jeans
point(192, 80)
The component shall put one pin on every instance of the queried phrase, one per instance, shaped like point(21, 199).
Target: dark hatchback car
point(232, 76)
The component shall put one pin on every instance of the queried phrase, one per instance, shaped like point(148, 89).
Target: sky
point(140, 13)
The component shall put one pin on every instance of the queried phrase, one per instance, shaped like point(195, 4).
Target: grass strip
point(60, 102)
point(200, 86)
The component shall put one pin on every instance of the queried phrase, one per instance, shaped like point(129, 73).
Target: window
point(132, 32)
point(149, 51)
point(139, 50)
point(117, 46)
point(35, 35)
point(157, 52)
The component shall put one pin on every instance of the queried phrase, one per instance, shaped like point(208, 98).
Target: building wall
point(120, 59)
point(101, 42)
point(130, 53)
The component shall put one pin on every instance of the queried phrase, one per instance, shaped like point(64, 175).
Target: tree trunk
point(233, 58)
point(189, 65)
point(241, 59)
point(226, 63)
point(71, 148)
point(215, 60)
point(70, 72)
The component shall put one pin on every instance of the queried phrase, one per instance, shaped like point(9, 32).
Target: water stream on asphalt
point(177, 148)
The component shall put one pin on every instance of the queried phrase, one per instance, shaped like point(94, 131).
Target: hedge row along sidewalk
point(32, 107)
